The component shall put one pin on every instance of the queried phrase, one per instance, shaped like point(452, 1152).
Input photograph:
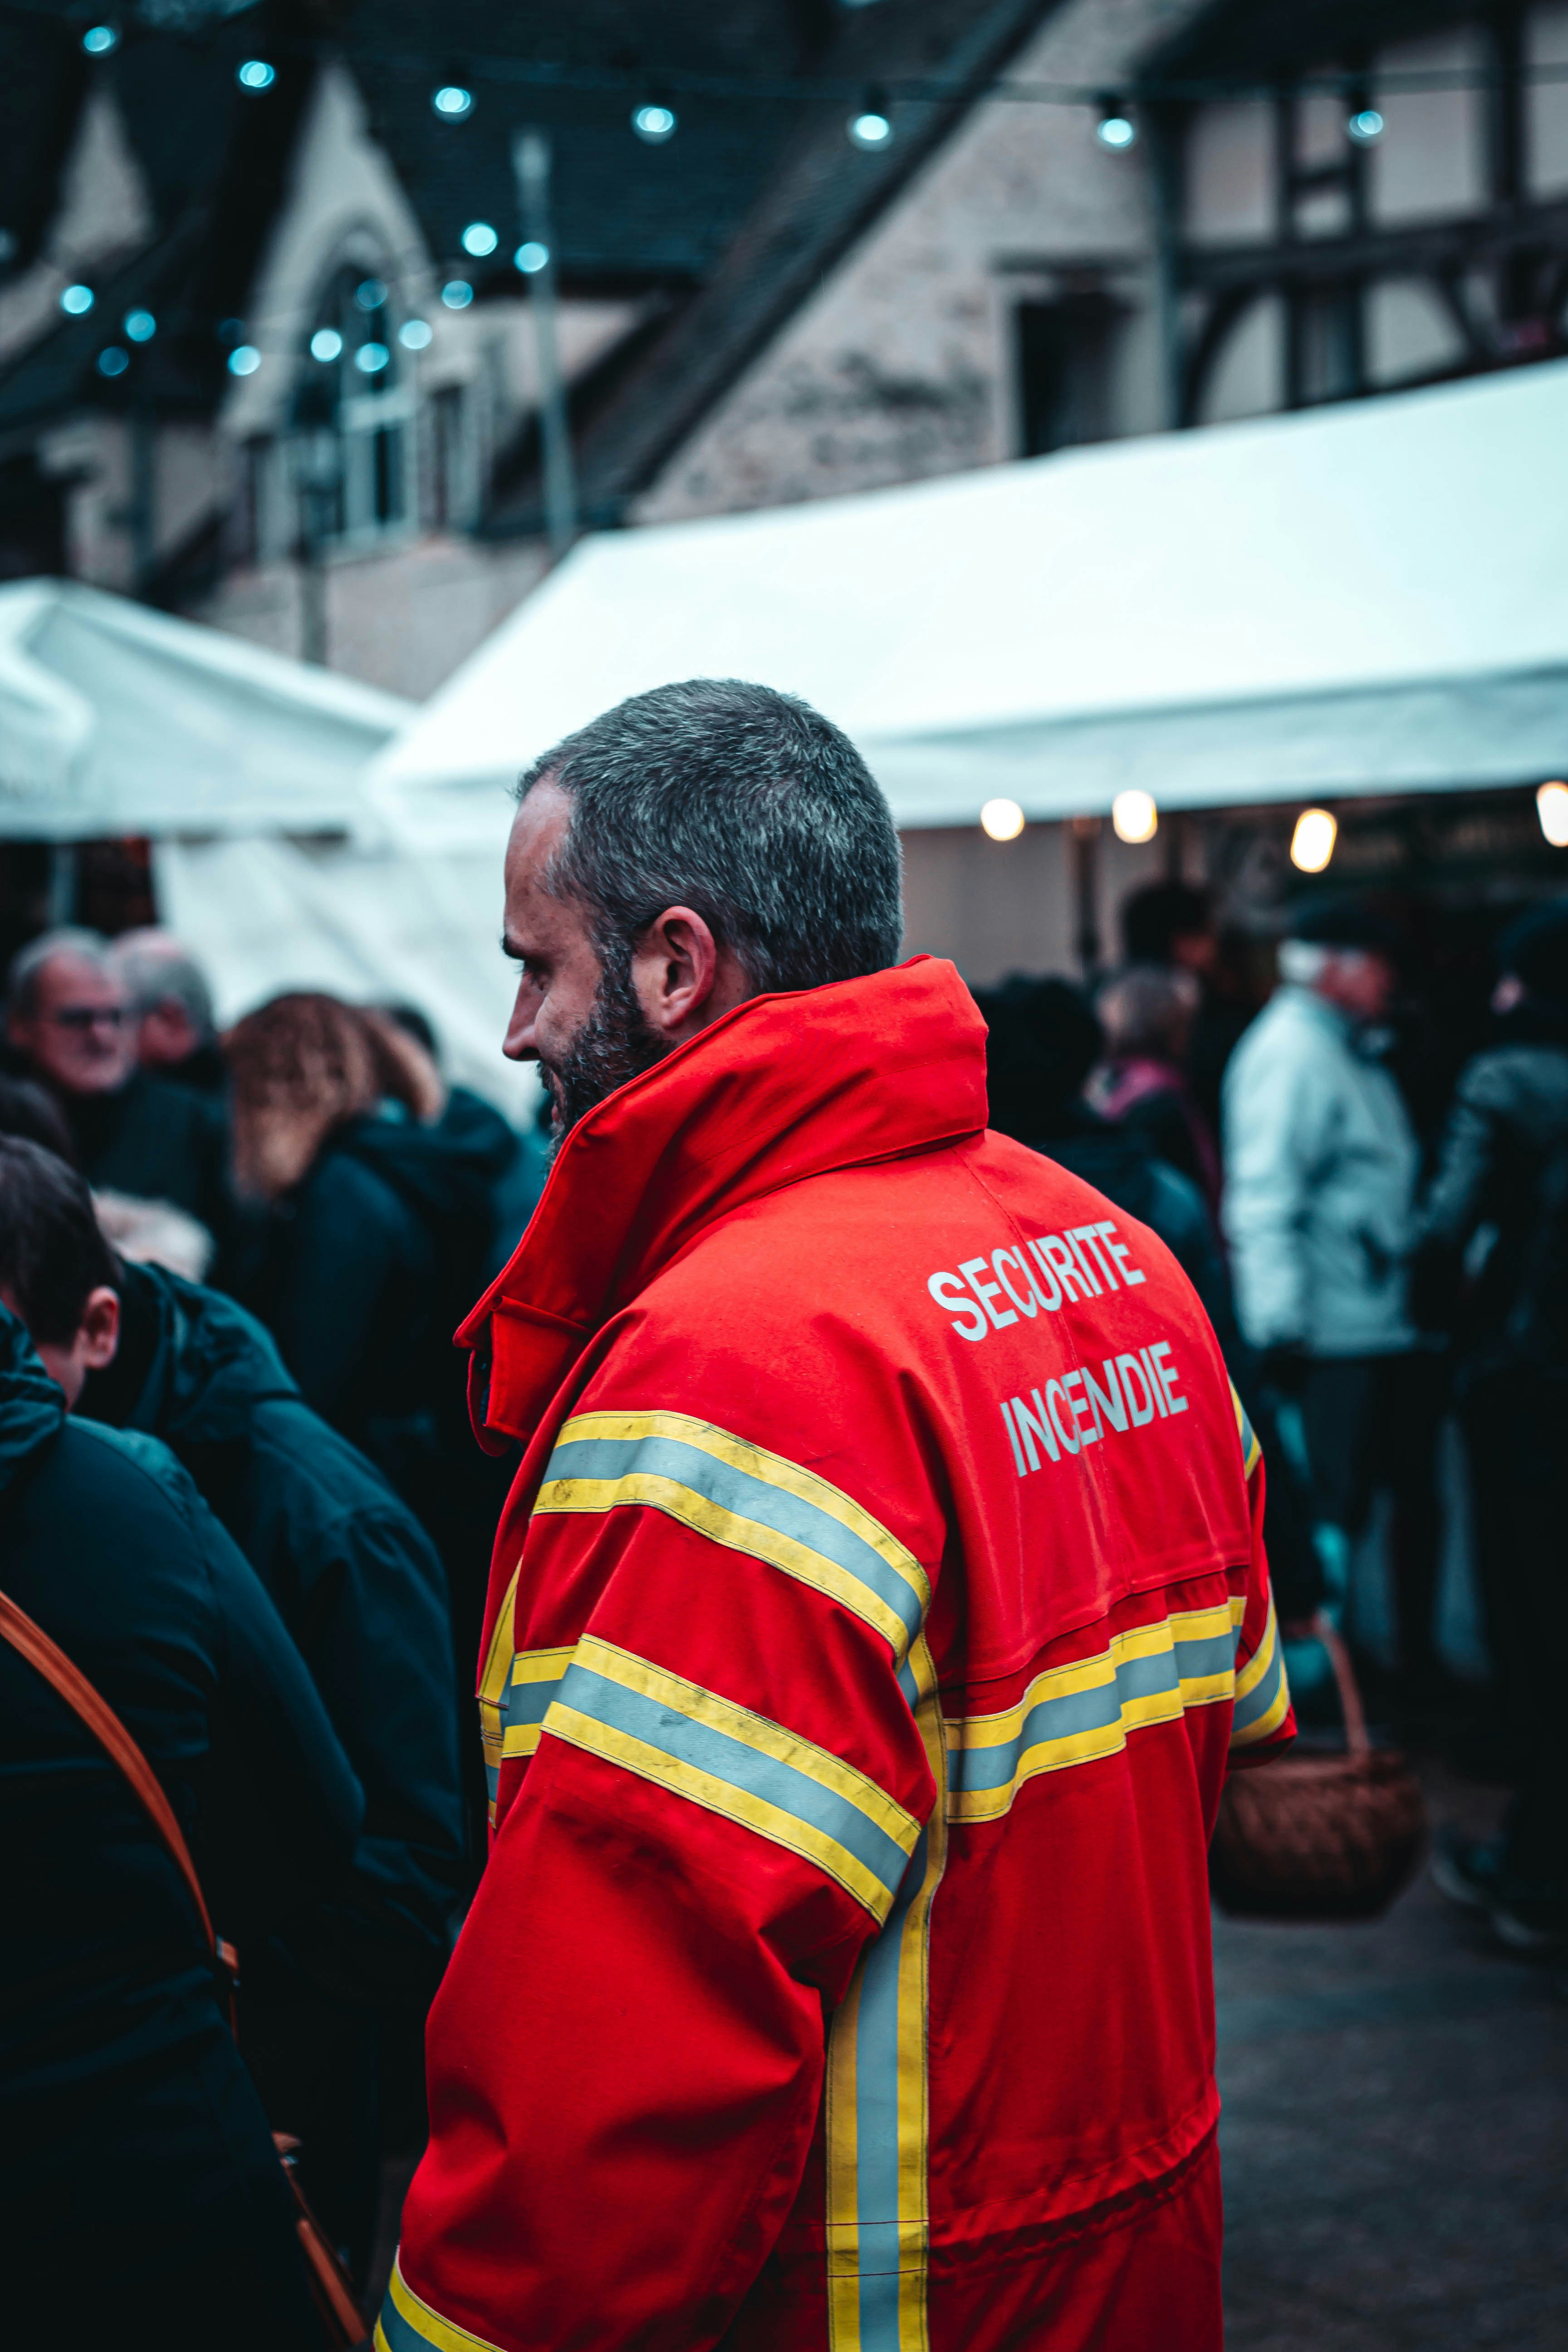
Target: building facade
point(275, 352)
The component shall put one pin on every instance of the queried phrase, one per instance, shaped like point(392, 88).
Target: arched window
point(353, 415)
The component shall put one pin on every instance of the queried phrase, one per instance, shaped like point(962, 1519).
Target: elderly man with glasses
point(71, 1024)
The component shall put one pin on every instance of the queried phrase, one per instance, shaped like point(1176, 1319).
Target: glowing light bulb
point(113, 361)
point(1312, 843)
point(1366, 126)
point(452, 102)
point(100, 40)
point(1134, 817)
point(140, 326)
point(1116, 128)
point(870, 131)
point(457, 294)
point(326, 343)
point(1552, 808)
point(244, 360)
point(1003, 820)
point(531, 257)
point(255, 74)
point(77, 300)
point(480, 238)
point(654, 124)
point(415, 335)
point(371, 358)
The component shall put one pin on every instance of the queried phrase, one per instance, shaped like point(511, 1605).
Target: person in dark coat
point(1146, 1013)
point(1492, 1229)
point(1043, 1042)
point(372, 1233)
point(144, 2200)
point(71, 1020)
point(360, 1589)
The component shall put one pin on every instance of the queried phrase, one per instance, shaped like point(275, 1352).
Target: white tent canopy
point(245, 768)
point(115, 720)
point(1365, 599)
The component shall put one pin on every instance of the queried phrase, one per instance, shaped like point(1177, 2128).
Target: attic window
point(353, 416)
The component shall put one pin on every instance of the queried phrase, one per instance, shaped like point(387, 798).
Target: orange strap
point(32, 1643)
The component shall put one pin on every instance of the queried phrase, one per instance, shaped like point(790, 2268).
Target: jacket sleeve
point(281, 1806)
point(1276, 1106)
point(729, 1785)
point(1455, 1201)
point(1262, 1720)
point(377, 1639)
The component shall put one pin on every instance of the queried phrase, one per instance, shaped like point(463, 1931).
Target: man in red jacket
point(877, 1608)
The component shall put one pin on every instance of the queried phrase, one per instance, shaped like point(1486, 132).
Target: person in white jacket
point(1320, 1171)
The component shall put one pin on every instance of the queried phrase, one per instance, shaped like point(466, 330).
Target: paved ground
point(1395, 2134)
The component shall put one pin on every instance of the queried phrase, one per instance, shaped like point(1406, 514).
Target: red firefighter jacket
point(879, 1598)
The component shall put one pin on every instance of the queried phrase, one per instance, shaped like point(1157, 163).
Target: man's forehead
point(74, 975)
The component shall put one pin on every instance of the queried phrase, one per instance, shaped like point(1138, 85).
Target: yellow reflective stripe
point(539, 1673)
point(1079, 1713)
point(1257, 1666)
point(749, 1500)
point(1251, 1451)
point(1263, 1690)
point(877, 2111)
point(407, 2324)
point(732, 1761)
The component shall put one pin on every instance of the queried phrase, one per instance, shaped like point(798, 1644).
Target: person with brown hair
point(338, 1169)
point(1147, 1012)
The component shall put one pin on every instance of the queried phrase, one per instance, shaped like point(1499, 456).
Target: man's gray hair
point(27, 964)
point(742, 804)
point(157, 970)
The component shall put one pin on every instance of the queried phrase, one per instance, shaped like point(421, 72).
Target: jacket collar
point(782, 1088)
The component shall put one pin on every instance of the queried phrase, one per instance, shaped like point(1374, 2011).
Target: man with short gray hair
point(173, 1005)
point(801, 2005)
point(72, 1016)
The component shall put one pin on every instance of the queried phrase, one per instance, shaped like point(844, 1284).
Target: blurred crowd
point(1385, 1261)
point(236, 1264)
point(244, 1259)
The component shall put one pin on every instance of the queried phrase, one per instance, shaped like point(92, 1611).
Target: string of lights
point(457, 101)
point(870, 125)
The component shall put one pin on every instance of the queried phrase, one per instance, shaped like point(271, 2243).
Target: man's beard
point(615, 1044)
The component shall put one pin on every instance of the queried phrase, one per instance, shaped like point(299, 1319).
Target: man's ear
point(99, 1335)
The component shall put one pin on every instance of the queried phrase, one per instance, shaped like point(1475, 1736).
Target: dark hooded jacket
point(363, 1271)
point(358, 1585)
point(107, 1544)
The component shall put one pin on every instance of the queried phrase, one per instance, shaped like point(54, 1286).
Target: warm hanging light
point(1003, 820)
point(1364, 126)
point(1134, 817)
point(655, 124)
point(452, 102)
point(1116, 128)
point(255, 74)
point(1552, 808)
point(100, 40)
point(1312, 843)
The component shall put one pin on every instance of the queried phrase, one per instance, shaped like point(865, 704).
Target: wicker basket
point(1319, 1836)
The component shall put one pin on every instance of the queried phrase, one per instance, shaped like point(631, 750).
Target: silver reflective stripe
point(659, 1726)
point(609, 1459)
point(1092, 1710)
point(1263, 1693)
